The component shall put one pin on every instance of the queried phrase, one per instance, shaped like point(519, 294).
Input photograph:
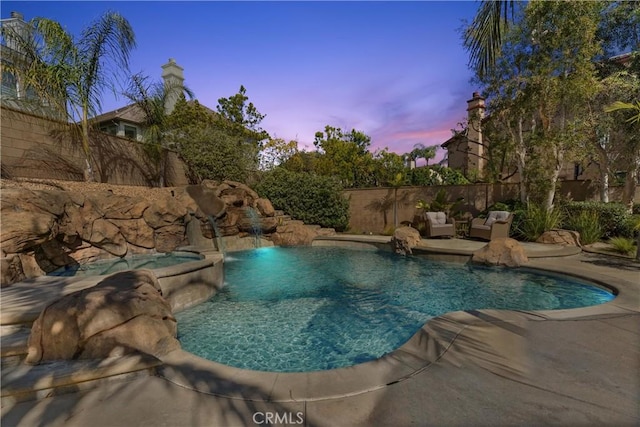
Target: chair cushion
point(442, 226)
point(482, 227)
point(437, 218)
point(496, 216)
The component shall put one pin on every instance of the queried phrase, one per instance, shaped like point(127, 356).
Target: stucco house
point(128, 121)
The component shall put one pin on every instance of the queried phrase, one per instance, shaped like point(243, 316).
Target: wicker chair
point(439, 225)
point(497, 224)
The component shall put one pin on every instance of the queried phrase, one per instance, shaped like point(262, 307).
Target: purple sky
point(394, 70)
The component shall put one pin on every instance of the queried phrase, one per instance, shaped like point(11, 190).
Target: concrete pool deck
point(483, 367)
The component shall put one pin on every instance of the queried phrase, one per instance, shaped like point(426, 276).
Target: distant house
point(14, 92)
point(128, 122)
point(466, 150)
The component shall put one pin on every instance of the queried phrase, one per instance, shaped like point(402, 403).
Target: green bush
point(623, 245)
point(535, 220)
point(614, 217)
point(311, 198)
point(587, 223)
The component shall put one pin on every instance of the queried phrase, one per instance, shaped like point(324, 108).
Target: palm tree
point(152, 100)
point(70, 75)
point(483, 38)
point(420, 151)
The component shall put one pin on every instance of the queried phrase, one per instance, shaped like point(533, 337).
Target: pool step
point(25, 382)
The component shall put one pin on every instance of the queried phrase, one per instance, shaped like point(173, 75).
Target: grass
point(587, 223)
point(623, 245)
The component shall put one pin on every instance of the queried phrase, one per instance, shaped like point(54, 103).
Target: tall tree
point(345, 155)
point(421, 151)
point(540, 88)
point(152, 99)
point(241, 120)
point(72, 74)
point(208, 150)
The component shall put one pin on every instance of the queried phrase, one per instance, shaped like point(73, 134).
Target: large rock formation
point(502, 251)
point(45, 229)
point(404, 239)
point(124, 313)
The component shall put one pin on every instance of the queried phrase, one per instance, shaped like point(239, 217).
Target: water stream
point(217, 235)
point(256, 228)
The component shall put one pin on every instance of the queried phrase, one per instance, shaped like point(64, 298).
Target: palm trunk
point(88, 171)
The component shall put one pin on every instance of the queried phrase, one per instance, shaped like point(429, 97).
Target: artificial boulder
point(265, 207)
point(295, 233)
point(207, 200)
point(502, 251)
point(404, 239)
point(23, 230)
point(560, 237)
point(124, 313)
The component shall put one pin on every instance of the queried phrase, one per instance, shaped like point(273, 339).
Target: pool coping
point(422, 350)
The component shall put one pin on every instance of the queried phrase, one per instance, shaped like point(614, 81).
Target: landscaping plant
point(587, 223)
point(623, 245)
point(536, 220)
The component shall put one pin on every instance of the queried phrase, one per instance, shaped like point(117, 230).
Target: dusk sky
point(394, 70)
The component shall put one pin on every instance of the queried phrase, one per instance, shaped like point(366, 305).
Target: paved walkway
point(484, 367)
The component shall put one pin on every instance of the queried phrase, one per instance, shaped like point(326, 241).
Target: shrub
point(535, 220)
point(623, 245)
point(389, 230)
point(311, 198)
point(587, 223)
point(614, 217)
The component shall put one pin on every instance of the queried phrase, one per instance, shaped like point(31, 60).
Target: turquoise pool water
point(112, 265)
point(317, 308)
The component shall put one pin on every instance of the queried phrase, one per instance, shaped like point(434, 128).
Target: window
point(130, 132)
point(9, 85)
point(111, 129)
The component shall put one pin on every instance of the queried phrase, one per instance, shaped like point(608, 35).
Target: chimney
point(173, 76)
point(17, 31)
point(476, 149)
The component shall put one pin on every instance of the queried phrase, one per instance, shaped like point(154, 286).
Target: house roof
point(131, 113)
point(454, 138)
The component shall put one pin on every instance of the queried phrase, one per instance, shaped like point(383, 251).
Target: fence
point(373, 209)
point(36, 147)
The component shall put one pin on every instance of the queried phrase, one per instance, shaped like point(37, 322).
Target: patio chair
point(495, 225)
point(439, 225)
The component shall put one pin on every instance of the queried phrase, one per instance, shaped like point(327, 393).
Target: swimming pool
point(112, 265)
point(318, 308)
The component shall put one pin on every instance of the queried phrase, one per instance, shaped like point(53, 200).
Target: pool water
point(317, 308)
point(112, 265)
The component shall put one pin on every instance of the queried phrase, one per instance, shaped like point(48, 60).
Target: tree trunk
point(630, 185)
point(521, 155)
point(604, 185)
point(551, 193)
point(603, 169)
point(88, 171)
point(395, 207)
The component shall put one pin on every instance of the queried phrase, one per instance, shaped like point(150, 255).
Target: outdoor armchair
point(496, 224)
point(439, 225)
